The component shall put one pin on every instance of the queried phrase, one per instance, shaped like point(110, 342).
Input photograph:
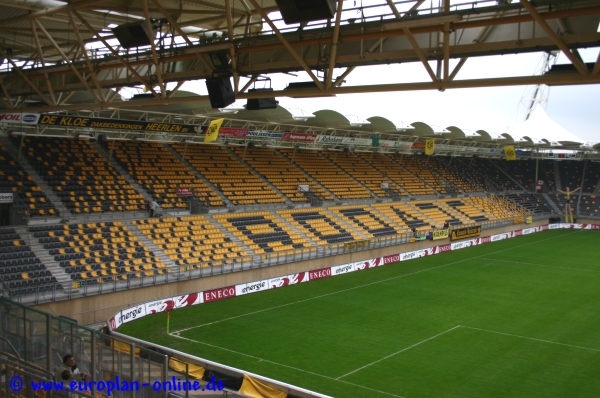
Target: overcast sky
point(575, 108)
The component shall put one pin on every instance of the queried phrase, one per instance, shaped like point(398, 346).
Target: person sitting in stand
point(69, 364)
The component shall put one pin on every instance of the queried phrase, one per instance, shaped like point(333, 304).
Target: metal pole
point(185, 150)
point(537, 160)
point(21, 146)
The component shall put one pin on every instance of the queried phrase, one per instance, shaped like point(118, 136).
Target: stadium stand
point(14, 178)
point(569, 175)
point(533, 203)
point(278, 171)
point(191, 242)
point(496, 207)
point(468, 211)
point(439, 215)
point(402, 181)
point(417, 165)
point(80, 176)
point(457, 179)
point(321, 167)
point(320, 226)
point(358, 169)
point(365, 219)
point(20, 269)
point(262, 232)
point(592, 177)
point(231, 177)
point(160, 173)
point(404, 216)
point(590, 206)
point(523, 171)
point(98, 252)
point(493, 174)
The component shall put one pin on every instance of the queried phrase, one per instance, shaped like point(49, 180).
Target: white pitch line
point(398, 352)
point(287, 366)
point(533, 338)
point(361, 286)
point(542, 265)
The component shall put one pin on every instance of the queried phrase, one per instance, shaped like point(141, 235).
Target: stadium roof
point(540, 130)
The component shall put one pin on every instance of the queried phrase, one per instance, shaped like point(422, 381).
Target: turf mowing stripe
point(177, 332)
point(541, 265)
point(398, 352)
point(532, 338)
point(287, 366)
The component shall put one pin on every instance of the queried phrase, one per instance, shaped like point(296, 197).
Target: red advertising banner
point(184, 191)
point(485, 239)
point(299, 137)
point(418, 145)
point(319, 274)
point(232, 132)
point(444, 248)
point(395, 258)
point(218, 294)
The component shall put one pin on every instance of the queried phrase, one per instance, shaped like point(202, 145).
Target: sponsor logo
point(6, 197)
point(444, 248)
point(517, 233)
point(328, 139)
point(459, 245)
point(264, 134)
point(131, 314)
point(10, 117)
point(30, 118)
point(485, 239)
point(113, 323)
point(255, 287)
point(299, 137)
point(218, 294)
point(440, 234)
point(232, 132)
point(287, 280)
point(468, 232)
point(318, 274)
point(344, 269)
point(391, 259)
point(408, 256)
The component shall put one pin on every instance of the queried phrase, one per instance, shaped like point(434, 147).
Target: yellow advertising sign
point(463, 233)
point(357, 244)
point(509, 152)
point(429, 147)
point(212, 133)
point(441, 234)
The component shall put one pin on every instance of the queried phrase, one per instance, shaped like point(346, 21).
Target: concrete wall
point(98, 308)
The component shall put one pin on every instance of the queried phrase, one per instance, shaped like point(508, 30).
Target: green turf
point(516, 318)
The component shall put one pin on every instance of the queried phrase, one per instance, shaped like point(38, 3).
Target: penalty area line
point(284, 366)
point(398, 352)
point(533, 338)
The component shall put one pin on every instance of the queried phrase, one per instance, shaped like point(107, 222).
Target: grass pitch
point(515, 318)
